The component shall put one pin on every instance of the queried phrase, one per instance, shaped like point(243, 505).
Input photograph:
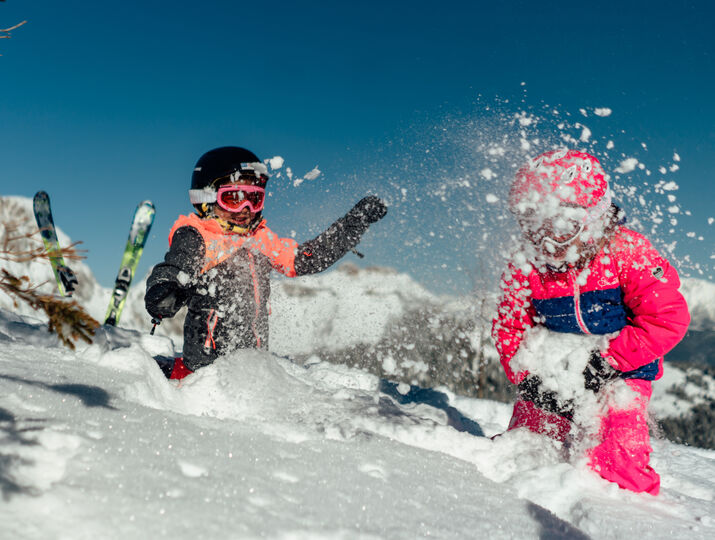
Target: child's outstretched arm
point(168, 285)
point(329, 246)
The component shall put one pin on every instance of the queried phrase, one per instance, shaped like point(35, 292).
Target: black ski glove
point(530, 390)
point(163, 300)
point(598, 372)
point(369, 210)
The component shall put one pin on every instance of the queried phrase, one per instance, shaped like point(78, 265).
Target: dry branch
point(9, 250)
point(67, 319)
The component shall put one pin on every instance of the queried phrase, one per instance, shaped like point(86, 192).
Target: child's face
point(567, 252)
point(557, 235)
point(243, 217)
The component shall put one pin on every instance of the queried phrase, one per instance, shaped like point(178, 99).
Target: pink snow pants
point(624, 449)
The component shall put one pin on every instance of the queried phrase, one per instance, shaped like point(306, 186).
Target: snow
point(627, 165)
point(312, 174)
point(276, 162)
point(586, 134)
point(96, 443)
point(602, 111)
point(558, 359)
point(700, 296)
point(480, 153)
point(525, 120)
point(666, 404)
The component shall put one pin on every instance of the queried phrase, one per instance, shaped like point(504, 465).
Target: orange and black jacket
point(223, 278)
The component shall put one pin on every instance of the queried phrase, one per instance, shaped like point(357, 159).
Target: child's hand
point(370, 209)
point(598, 372)
point(530, 389)
point(164, 299)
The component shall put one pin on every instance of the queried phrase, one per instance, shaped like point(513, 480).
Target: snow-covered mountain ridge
point(343, 306)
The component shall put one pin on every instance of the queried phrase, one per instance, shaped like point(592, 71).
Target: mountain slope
point(97, 444)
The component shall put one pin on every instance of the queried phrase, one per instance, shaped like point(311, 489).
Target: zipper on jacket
point(256, 297)
point(211, 321)
point(577, 303)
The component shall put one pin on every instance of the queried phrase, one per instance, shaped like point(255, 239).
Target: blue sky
point(103, 104)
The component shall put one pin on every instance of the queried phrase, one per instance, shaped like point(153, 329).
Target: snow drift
point(96, 443)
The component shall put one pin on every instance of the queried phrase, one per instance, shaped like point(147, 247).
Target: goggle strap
point(199, 196)
point(248, 188)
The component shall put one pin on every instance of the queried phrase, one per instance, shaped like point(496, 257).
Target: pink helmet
point(561, 177)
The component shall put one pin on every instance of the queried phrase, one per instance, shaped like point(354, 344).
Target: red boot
point(180, 370)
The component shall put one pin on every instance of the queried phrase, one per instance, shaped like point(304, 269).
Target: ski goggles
point(236, 197)
point(558, 232)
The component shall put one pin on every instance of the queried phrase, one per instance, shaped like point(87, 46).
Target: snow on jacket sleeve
point(166, 287)
point(331, 245)
point(514, 315)
point(659, 316)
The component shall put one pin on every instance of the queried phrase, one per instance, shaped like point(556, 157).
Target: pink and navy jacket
point(628, 288)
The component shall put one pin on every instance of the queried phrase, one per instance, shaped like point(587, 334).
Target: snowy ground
point(97, 444)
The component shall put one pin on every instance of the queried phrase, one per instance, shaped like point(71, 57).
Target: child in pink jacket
point(583, 272)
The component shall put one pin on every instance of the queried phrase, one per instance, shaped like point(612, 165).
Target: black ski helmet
point(220, 163)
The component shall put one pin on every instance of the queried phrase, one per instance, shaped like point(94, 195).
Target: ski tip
point(41, 195)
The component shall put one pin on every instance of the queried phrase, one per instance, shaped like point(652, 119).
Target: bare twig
point(8, 30)
point(5, 32)
point(10, 252)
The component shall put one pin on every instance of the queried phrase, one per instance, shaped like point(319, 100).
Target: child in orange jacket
point(220, 258)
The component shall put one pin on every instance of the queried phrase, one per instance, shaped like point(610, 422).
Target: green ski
point(141, 225)
point(66, 280)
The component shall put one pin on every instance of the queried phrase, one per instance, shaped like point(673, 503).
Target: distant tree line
point(697, 426)
point(435, 347)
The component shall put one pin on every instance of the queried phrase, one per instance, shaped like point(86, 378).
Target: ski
point(141, 225)
point(66, 280)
